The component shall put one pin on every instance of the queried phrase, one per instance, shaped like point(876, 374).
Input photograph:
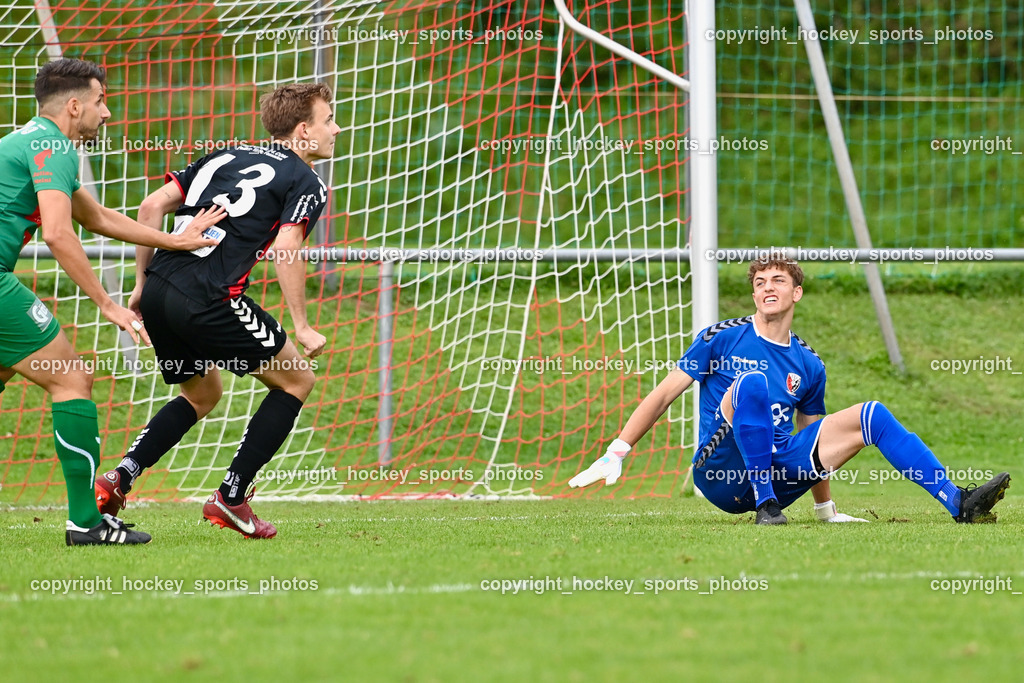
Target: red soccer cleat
point(240, 517)
point(109, 498)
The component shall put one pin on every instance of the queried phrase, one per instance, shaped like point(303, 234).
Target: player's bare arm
point(291, 273)
point(654, 405)
point(59, 235)
point(650, 410)
point(98, 219)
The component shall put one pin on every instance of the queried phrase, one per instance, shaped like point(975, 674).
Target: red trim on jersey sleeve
point(169, 177)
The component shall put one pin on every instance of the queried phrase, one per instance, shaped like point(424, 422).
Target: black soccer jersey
point(262, 188)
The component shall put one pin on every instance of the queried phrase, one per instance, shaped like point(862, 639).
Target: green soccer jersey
point(36, 157)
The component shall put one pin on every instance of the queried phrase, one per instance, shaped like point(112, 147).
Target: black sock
point(160, 435)
point(267, 430)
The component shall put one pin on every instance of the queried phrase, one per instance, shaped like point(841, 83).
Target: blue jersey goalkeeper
point(765, 438)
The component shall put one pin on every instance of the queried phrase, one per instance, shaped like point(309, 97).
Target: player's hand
point(607, 467)
point(826, 512)
point(313, 342)
point(133, 302)
point(127, 321)
point(192, 237)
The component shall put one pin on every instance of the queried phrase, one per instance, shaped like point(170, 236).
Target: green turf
point(399, 596)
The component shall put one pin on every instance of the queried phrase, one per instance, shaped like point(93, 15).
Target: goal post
point(702, 176)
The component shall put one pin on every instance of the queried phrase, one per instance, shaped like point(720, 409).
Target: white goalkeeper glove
point(607, 467)
point(827, 513)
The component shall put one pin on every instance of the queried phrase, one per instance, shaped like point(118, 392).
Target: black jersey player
point(195, 308)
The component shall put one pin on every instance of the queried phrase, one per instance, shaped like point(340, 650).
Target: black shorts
point(236, 335)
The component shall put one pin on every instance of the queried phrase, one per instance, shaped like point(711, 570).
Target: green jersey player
point(39, 190)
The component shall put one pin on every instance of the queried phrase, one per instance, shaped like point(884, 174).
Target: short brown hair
point(65, 76)
point(776, 259)
point(290, 105)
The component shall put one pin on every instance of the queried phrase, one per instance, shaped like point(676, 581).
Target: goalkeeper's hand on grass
point(607, 467)
point(827, 513)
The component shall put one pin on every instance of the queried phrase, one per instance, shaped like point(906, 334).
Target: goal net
point(528, 178)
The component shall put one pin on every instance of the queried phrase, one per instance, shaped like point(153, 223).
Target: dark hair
point(66, 76)
point(776, 259)
point(290, 105)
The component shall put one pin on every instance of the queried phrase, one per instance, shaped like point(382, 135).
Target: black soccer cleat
point(976, 501)
point(110, 531)
point(770, 512)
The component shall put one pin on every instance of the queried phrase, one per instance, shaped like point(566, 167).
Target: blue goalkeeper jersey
point(796, 375)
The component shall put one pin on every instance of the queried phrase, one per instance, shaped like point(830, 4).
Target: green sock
point(76, 436)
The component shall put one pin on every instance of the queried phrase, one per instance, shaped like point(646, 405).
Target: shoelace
point(116, 523)
point(248, 496)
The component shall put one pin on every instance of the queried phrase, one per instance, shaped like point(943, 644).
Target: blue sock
point(908, 454)
point(752, 423)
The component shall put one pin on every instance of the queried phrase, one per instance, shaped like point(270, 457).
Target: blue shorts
point(720, 472)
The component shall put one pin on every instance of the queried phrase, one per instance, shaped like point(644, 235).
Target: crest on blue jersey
point(792, 383)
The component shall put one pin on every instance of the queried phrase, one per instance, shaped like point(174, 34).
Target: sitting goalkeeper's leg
point(199, 396)
point(747, 407)
point(845, 433)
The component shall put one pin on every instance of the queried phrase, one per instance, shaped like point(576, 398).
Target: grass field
point(399, 594)
point(400, 591)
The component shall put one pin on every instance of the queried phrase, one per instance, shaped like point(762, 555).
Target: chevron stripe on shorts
point(248, 319)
